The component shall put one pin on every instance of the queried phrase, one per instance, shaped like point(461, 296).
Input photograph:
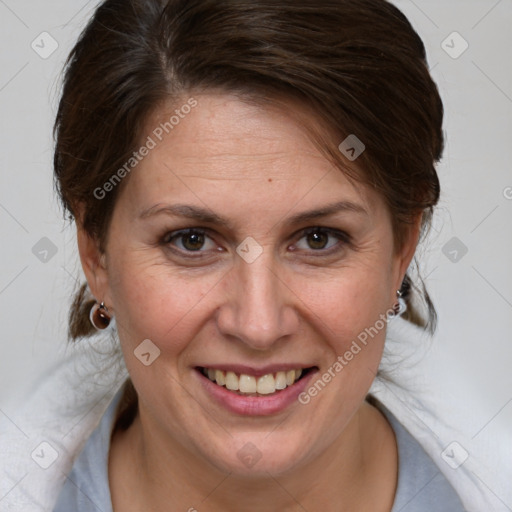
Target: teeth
point(232, 382)
point(280, 380)
point(267, 384)
point(249, 384)
point(220, 378)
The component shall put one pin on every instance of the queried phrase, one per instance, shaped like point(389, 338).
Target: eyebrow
point(210, 217)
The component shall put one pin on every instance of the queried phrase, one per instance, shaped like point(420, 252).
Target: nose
point(258, 308)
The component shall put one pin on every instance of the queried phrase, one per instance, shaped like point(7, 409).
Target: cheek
point(348, 303)
point(348, 311)
point(353, 313)
point(155, 302)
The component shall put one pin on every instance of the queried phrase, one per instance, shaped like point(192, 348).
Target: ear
point(93, 263)
point(406, 253)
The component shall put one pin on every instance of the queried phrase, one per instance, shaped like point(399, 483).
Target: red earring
point(99, 316)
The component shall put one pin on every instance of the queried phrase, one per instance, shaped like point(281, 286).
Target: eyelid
point(331, 231)
point(170, 235)
point(342, 237)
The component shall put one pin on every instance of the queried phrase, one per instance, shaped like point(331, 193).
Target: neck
point(356, 472)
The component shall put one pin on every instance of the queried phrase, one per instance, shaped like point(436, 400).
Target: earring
point(400, 306)
point(99, 316)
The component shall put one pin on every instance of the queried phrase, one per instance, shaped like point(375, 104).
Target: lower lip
point(255, 405)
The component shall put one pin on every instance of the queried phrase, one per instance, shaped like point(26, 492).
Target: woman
point(249, 180)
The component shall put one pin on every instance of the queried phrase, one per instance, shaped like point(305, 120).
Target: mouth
point(250, 385)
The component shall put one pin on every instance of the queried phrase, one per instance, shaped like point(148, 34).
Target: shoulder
point(422, 487)
point(86, 487)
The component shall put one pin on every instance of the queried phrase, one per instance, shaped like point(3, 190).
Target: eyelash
point(343, 237)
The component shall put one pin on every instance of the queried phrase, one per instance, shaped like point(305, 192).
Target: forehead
point(224, 127)
point(231, 146)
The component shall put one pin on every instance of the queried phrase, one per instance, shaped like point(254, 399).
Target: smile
point(251, 385)
point(249, 391)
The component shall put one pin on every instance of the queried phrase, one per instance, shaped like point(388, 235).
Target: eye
point(322, 239)
point(317, 239)
point(191, 240)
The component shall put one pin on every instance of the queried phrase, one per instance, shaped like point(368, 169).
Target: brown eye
point(322, 240)
point(192, 240)
point(317, 240)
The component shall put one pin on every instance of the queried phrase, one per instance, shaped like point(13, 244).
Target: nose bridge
point(260, 312)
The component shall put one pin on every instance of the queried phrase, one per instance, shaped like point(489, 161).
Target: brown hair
point(358, 64)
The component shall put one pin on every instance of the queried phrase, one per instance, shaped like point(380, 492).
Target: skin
point(295, 303)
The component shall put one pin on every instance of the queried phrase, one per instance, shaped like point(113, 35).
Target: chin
point(253, 456)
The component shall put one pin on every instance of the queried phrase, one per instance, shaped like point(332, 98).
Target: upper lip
point(257, 372)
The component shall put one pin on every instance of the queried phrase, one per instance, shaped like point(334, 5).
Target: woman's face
point(259, 285)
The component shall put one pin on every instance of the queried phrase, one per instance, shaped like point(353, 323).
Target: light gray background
point(469, 364)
